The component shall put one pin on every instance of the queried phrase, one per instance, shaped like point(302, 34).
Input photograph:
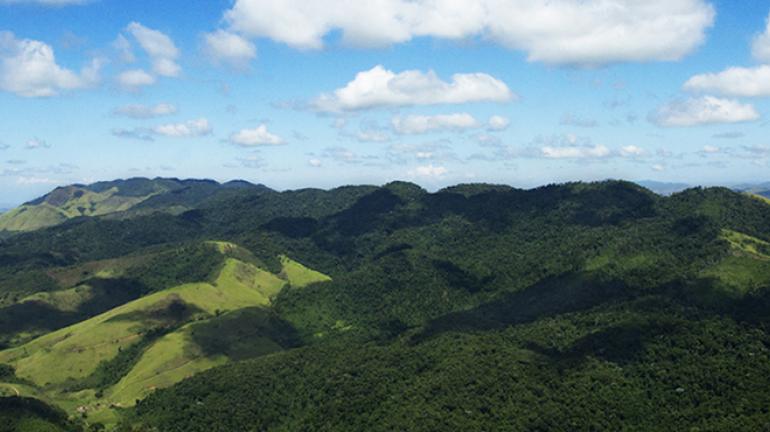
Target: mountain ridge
point(427, 292)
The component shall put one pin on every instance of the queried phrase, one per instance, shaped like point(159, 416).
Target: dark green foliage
point(31, 415)
point(644, 365)
point(244, 334)
point(479, 307)
point(7, 373)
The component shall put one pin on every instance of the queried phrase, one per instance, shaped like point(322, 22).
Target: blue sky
point(300, 93)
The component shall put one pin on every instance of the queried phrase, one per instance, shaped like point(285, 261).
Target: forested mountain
point(580, 306)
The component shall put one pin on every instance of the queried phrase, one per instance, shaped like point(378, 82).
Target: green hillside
point(118, 357)
point(582, 306)
point(139, 195)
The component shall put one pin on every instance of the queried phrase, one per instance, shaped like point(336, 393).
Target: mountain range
point(187, 305)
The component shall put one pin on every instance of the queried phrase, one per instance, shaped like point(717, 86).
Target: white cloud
point(124, 49)
point(379, 87)
point(145, 111)
point(28, 68)
point(735, 81)
point(576, 152)
point(134, 79)
point(36, 143)
point(703, 110)
point(429, 170)
point(658, 168)
point(315, 163)
point(258, 136)
point(159, 47)
point(192, 128)
point(761, 46)
point(632, 151)
point(229, 48)
point(578, 32)
point(711, 149)
point(419, 124)
point(498, 123)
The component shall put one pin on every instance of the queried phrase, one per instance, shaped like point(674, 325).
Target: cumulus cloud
point(315, 163)
point(124, 49)
point(159, 47)
point(734, 81)
point(134, 79)
point(229, 48)
point(419, 124)
point(498, 123)
point(192, 128)
point(137, 111)
point(702, 111)
point(258, 136)
point(573, 32)
point(379, 87)
point(28, 68)
point(761, 46)
point(710, 149)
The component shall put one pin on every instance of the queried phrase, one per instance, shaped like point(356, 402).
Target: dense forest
point(579, 306)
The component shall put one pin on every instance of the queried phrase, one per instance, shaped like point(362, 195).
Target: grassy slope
point(73, 353)
point(31, 217)
point(746, 270)
point(64, 300)
point(298, 275)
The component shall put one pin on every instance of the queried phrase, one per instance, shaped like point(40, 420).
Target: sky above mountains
point(299, 93)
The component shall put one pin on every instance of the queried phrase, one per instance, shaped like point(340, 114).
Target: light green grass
point(30, 218)
point(74, 352)
point(745, 244)
point(33, 217)
point(170, 360)
point(298, 275)
point(50, 362)
point(65, 300)
point(739, 275)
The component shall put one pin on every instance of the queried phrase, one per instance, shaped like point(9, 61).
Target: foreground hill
point(597, 306)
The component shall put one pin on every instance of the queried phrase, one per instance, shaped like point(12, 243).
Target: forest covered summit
point(579, 306)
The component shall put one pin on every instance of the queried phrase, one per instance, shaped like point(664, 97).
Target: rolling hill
point(120, 356)
point(580, 306)
point(105, 198)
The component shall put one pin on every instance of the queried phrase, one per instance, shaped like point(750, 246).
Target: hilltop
point(578, 306)
point(119, 196)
